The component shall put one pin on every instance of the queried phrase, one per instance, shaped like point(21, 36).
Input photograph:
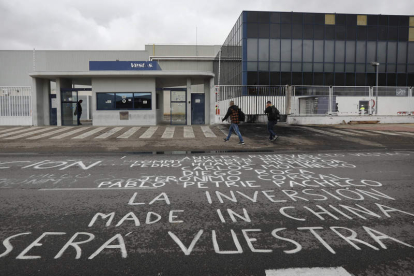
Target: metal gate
point(15, 105)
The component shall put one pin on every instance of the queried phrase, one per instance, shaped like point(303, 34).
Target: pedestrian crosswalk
point(174, 132)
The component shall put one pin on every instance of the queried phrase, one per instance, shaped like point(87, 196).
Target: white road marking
point(29, 133)
point(345, 132)
point(222, 129)
point(188, 132)
point(148, 133)
point(129, 133)
point(109, 133)
point(89, 133)
point(10, 129)
point(49, 133)
point(362, 132)
point(70, 133)
point(386, 133)
point(97, 189)
point(321, 131)
point(18, 131)
point(406, 133)
point(208, 132)
point(314, 271)
point(168, 133)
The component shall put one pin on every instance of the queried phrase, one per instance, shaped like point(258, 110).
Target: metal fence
point(15, 105)
point(250, 99)
point(318, 100)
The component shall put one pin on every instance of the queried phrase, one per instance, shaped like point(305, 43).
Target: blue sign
point(123, 65)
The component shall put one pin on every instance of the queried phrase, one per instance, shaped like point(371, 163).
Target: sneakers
point(225, 140)
point(275, 138)
point(241, 143)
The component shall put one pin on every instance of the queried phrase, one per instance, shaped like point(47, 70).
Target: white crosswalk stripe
point(17, 132)
point(109, 133)
point(188, 132)
point(362, 132)
point(406, 133)
point(208, 132)
point(321, 131)
point(89, 133)
point(345, 132)
point(129, 133)
point(10, 129)
point(148, 133)
point(28, 133)
point(70, 133)
point(168, 133)
point(386, 133)
point(225, 131)
point(308, 271)
point(49, 133)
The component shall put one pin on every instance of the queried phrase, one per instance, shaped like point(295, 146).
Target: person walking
point(78, 111)
point(272, 113)
point(233, 112)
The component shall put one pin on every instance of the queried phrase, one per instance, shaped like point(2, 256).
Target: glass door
point(178, 107)
point(69, 100)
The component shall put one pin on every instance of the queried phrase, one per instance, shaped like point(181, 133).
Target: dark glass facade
point(279, 48)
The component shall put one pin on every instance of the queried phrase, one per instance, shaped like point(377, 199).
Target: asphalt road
point(349, 212)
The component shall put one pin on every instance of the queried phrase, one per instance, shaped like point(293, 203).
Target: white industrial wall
point(112, 117)
point(182, 50)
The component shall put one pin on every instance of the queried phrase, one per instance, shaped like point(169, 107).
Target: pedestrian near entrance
point(233, 112)
point(272, 114)
point(78, 111)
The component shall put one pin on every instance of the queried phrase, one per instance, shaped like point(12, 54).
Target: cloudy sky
point(130, 24)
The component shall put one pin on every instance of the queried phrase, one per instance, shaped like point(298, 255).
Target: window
point(330, 19)
point(412, 21)
point(361, 20)
point(123, 101)
point(411, 35)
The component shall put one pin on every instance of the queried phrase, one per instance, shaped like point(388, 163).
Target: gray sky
point(130, 24)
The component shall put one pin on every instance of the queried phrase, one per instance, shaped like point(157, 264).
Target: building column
point(61, 83)
point(40, 102)
point(188, 101)
point(211, 96)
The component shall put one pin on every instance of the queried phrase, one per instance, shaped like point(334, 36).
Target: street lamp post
point(376, 65)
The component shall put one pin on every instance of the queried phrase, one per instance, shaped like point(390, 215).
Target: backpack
point(242, 117)
point(274, 115)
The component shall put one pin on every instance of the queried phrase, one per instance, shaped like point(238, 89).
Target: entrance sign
point(123, 65)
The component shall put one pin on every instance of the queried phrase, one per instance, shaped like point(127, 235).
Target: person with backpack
point(272, 114)
point(233, 112)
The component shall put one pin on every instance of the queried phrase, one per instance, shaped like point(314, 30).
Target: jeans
point(234, 127)
point(270, 125)
point(79, 115)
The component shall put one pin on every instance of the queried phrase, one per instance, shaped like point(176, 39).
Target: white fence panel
point(15, 105)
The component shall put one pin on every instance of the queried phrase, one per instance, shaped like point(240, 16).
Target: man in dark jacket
point(272, 113)
point(78, 110)
point(233, 112)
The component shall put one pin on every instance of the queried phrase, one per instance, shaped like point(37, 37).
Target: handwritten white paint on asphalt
point(97, 189)
point(70, 133)
point(362, 132)
point(18, 131)
point(188, 132)
point(321, 131)
point(168, 133)
point(222, 129)
point(345, 132)
point(29, 133)
point(406, 133)
point(386, 133)
point(50, 133)
point(10, 129)
point(89, 133)
point(148, 133)
point(315, 271)
point(109, 133)
point(208, 132)
point(129, 133)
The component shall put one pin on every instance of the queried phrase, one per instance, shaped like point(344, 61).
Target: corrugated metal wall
point(182, 50)
point(15, 67)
